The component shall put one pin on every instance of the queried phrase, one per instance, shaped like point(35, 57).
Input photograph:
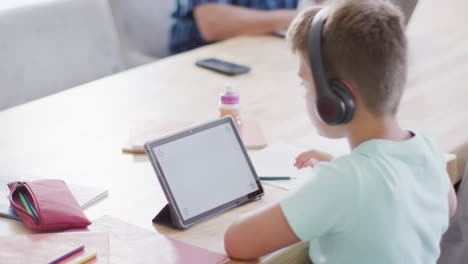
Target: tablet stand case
point(164, 218)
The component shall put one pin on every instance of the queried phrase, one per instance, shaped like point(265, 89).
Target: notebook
point(132, 244)
point(143, 131)
point(44, 248)
point(85, 196)
point(278, 159)
point(113, 240)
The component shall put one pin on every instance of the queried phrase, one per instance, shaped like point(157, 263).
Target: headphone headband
point(315, 52)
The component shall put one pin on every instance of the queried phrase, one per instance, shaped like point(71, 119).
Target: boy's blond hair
point(363, 43)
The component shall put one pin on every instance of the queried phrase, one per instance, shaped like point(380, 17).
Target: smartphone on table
point(222, 66)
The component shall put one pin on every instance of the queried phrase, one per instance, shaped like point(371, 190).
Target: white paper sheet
point(278, 159)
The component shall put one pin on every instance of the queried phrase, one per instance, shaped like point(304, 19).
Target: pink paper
point(44, 248)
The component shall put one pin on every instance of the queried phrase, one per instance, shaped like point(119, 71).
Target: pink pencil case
point(53, 203)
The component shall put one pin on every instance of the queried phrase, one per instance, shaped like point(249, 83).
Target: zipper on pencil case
point(18, 188)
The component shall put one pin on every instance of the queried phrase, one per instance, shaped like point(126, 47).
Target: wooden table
point(77, 135)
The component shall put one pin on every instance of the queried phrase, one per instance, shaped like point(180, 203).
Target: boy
point(386, 202)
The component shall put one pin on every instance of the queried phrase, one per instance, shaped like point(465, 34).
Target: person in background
point(199, 22)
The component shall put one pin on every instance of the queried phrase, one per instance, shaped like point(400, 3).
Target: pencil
point(25, 204)
point(69, 254)
point(275, 178)
point(88, 258)
point(130, 150)
point(225, 261)
point(31, 206)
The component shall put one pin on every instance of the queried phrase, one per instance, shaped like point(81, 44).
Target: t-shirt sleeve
point(439, 156)
point(324, 204)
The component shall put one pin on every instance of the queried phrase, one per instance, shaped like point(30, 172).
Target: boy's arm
point(222, 21)
point(258, 234)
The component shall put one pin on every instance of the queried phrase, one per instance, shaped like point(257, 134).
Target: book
point(145, 130)
point(84, 195)
point(252, 135)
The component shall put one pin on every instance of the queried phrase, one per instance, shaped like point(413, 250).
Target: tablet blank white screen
point(205, 170)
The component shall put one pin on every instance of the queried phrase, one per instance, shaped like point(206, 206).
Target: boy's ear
point(350, 87)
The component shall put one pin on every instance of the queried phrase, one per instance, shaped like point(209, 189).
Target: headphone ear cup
point(345, 101)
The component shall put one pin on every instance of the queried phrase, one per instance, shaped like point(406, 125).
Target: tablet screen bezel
point(176, 212)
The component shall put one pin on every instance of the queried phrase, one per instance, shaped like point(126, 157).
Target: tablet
point(203, 171)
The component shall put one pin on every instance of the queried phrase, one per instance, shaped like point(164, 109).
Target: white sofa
point(47, 46)
point(144, 28)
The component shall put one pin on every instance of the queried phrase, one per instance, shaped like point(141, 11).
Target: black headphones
point(335, 104)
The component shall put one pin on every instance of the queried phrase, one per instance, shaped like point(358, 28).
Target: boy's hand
point(311, 158)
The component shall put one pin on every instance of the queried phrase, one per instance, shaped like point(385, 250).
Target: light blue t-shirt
point(386, 202)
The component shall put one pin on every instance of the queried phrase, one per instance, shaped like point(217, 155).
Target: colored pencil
point(69, 254)
point(88, 258)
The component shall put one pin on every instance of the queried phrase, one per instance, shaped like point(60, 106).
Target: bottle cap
point(229, 96)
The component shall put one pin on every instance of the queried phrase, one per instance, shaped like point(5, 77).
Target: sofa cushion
point(144, 28)
point(53, 45)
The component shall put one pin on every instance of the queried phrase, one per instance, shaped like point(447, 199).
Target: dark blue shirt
point(185, 34)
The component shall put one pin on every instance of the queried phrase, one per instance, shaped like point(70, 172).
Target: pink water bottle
point(230, 105)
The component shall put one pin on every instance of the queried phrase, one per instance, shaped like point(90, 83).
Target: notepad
point(143, 131)
point(84, 195)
